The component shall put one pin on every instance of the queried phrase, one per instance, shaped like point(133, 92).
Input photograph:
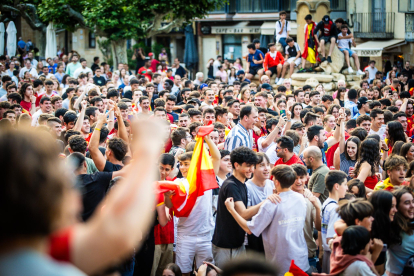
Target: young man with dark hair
point(180, 137)
point(335, 182)
point(195, 115)
point(241, 134)
point(228, 238)
point(315, 98)
point(292, 58)
point(396, 167)
point(272, 220)
point(351, 102)
point(255, 61)
point(329, 34)
point(313, 212)
point(344, 45)
point(364, 121)
point(45, 107)
point(282, 29)
point(284, 150)
point(377, 123)
point(234, 109)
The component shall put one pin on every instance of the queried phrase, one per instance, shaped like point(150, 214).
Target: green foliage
point(105, 47)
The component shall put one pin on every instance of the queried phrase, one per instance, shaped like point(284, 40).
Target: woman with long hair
point(393, 133)
point(340, 97)
point(39, 67)
point(400, 247)
point(397, 148)
point(122, 73)
point(64, 84)
point(139, 56)
point(392, 75)
point(347, 154)
point(377, 93)
point(295, 112)
point(238, 64)
point(220, 96)
point(320, 89)
point(232, 75)
point(26, 92)
point(368, 163)
point(409, 175)
point(210, 68)
point(357, 188)
point(385, 207)
point(60, 72)
point(334, 110)
point(245, 95)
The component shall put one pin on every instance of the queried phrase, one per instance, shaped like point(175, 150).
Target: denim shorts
point(349, 51)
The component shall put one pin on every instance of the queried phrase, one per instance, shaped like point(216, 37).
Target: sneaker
point(350, 70)
point(310, 70)
point(301, 70)
point(329, 59)
point(323, 59)
point(280, 82)
point(276, 80)
point(359, 73)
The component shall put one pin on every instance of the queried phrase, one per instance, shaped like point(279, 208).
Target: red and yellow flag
point(294, 270)
point(200, 178)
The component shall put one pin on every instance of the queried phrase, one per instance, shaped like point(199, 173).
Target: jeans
point(282, 41)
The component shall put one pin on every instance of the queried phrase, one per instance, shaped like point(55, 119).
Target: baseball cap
point(197, 101)
point(363, 100)
point(240, 72)
point(267, 86)
point(150, 54)
point(203, 85)
point(326, 19)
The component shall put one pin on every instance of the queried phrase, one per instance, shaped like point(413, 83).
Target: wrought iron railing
point(374, 25)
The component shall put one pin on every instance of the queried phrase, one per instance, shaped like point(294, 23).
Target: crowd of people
point(307, 180)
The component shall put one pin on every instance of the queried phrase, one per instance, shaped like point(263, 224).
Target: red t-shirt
point(165, 235)
point(294, 160)
point(26, 105)
point(154, 64)
point(60, 244)
point(145, 71)
point(410, 122)
point(256, 137)
point(331, 151)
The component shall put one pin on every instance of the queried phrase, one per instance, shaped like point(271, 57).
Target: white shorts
point(190, 247)
point(297, 62)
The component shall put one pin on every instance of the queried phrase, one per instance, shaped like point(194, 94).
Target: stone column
point(316, 8)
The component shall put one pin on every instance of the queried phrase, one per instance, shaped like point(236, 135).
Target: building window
point(92, 40)
point(232, 47)
point(406, 6)
point(245, 6)
point(338, 5)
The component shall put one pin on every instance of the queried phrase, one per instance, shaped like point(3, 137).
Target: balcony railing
point(374, 25)
point(250, 6)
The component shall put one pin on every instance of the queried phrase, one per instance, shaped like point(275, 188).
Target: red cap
point(150, 54)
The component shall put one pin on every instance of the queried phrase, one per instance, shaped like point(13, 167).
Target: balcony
point(374, 25)
point(338, 5)
point(253, 6)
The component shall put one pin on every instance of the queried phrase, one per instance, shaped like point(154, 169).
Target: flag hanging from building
point(200, 178)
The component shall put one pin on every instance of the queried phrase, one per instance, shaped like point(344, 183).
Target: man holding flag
point(191, 197)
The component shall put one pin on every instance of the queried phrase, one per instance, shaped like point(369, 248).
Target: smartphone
point(283, 112)
point(384, 248)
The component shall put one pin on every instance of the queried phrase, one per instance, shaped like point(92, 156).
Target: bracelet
point(97, 129)
point(386, 150)
point(338, 125)
point(288, 121)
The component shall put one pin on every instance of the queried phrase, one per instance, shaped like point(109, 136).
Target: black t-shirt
point(409, 73)
point(236, 121)
point(99, 80)
point(228, 234)
point(110, 167)
point(93, 187)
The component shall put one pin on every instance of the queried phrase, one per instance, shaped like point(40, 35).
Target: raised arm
point(79, 100)
point(335, 138)
point(94, 151)
point(79, 122)
point(215, 154)
point(128, 209)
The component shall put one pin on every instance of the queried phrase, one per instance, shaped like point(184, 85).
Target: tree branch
point(78, 17)
point(32, 19)
point(155, 28)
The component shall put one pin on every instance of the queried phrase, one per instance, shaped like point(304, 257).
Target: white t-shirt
point(371, 72)
point(81, 70)
point(358, 268)
point(271, 153)
point(200, 220)
point(286, 28)
point(329, 216)
point(35, 117)
point(216, 64)
point(259, 144)
point(344, 43)
point(256, 194)
point(380, 132)
point(281, 226)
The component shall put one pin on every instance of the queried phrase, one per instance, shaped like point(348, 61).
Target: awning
point(268, 28)
point(375, 48)
point(240, 28)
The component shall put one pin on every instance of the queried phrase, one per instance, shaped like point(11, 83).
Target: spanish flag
point(200, 178)
point(294, 270)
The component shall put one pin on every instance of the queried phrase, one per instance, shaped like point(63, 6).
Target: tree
point(118, 20)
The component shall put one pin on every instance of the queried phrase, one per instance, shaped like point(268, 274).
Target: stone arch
point(324, 3)
point(299, 4)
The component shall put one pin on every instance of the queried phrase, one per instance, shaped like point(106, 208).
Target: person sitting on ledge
point(329, 34)
point(343, 45)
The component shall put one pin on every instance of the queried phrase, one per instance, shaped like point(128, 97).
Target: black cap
point(267, 86)
point(363, 100)
point(326, 19)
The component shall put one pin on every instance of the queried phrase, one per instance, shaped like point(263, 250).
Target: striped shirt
point(346, 164)
point(239, 137)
